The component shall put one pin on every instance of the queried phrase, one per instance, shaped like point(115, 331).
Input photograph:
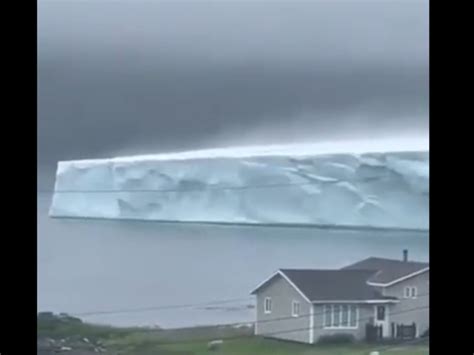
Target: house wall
point(282, 295)
point(366, 312)
point(410, 310)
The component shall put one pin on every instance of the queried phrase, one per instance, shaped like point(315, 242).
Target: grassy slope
point(258, 346)
point(138, 341)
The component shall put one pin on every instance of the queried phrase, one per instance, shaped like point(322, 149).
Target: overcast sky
point(141, 77)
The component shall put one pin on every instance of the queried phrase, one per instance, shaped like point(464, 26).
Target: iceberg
point(359, 184)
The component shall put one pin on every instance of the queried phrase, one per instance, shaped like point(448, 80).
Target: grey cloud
point(302, 32)
point(130, 77)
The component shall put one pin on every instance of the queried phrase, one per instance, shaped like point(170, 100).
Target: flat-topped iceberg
point(381, 183)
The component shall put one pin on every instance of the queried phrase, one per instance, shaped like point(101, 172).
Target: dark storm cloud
point(131, 77)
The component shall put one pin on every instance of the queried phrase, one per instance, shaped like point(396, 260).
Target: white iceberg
point(381, 183)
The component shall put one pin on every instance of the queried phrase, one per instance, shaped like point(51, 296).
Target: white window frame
point(267, 301)
point(410, 292)
point(340, 326)
point(325, 309)
point(385, 315)
point(342, 315)
point(356, 326)
point(295, 303)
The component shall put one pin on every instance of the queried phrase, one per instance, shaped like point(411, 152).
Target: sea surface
point(124, 273)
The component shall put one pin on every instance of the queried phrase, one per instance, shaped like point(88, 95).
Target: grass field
point(194, 341)
point(259, 346)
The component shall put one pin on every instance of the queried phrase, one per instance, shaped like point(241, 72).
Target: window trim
point(356, 326)
point(410, 292)
point(349, 312)
point(342, 315)
point(325, 312)
point(293, 304)
point(377, 307)
point(267, 310)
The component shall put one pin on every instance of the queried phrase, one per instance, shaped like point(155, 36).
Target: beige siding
point(271, 325)
point(410, 310)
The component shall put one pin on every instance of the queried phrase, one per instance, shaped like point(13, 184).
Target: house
point(304, 304)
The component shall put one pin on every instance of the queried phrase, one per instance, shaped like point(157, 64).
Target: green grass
point(193, 341)
point(259, 346)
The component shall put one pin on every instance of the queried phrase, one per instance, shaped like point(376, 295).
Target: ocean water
point(109, 269)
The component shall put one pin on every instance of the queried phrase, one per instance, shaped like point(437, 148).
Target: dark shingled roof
point(388, 270)
point(351, 282)
point(341, 285)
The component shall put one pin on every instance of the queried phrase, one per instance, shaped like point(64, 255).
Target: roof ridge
point(397, 260)
point(389, 260)
point(335, 270)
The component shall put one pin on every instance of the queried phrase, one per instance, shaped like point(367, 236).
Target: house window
point(336, 315)
point(295, 308)
point(381, 313)
point(353, 316)
point(340, 316)
point(268, 305)
point(327, 316)
point(410, 292)
point(345, 316)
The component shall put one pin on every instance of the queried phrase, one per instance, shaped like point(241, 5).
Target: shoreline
point(356, 228)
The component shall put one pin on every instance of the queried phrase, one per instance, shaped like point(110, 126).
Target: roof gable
point(279, 273)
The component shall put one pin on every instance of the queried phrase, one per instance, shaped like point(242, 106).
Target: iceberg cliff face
point(285, 184)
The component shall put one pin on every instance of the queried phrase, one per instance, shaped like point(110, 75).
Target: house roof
point(330, 285)
point(389, 271)
point(341, 285)
point(354, 282)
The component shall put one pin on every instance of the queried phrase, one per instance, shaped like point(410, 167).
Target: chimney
point(405, 255)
